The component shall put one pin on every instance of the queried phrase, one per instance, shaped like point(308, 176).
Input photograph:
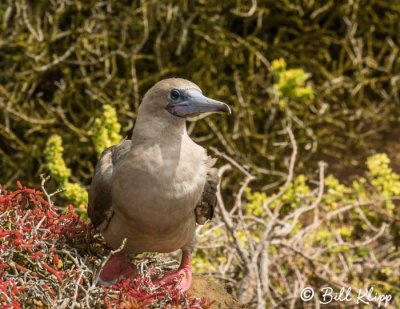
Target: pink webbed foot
point(182, 277)
point(117, 268)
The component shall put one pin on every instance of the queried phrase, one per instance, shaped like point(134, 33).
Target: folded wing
point(205, 208)
point(100, 193)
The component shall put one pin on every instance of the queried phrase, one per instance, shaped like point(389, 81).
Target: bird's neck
point(151, 128)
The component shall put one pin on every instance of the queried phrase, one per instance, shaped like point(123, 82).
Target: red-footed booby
point(153, 188)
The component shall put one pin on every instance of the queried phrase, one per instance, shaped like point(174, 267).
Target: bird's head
point(180, 98)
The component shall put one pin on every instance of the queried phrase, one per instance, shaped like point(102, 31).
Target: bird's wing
point(100, 193)
point(205, 208)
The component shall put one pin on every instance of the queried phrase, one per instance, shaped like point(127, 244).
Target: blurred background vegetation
point(62, 61)
point(73, 74)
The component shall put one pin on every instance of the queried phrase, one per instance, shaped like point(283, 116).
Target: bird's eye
point(175, 94)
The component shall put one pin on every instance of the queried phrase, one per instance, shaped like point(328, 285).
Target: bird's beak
point(196, 103)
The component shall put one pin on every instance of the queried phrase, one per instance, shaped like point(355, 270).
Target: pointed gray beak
point(194, 103)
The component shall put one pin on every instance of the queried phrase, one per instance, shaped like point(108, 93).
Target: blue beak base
point(194, 103)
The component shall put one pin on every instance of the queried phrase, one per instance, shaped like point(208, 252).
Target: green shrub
point(57, 168)
point(335, 70)
point(106, 130)
point(346, 237)
point(54, 158)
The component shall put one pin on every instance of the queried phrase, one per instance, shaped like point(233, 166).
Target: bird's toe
point(181, 279)
point(117, 268)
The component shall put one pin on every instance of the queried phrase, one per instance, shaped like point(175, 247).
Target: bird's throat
point(165, 127)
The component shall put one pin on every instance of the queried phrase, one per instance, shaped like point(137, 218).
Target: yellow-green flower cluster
point(383, 179)
point(291, 83)
point(255, 201)
point(77, 194)
point(336, 193)
point(278, 65)
point(381, 175)
point(61, 173)
point(292, 197)
point(54, 160)
point(106, 129)
point(295, 193)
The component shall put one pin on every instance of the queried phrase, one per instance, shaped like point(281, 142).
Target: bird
point(152, 189)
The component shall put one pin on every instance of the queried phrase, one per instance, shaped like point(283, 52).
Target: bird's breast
point(154, 199)
point(160, 183)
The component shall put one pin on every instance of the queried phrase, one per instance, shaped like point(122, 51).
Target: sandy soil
point(205, 287)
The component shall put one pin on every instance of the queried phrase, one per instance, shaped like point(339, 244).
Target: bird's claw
point(182, 279)
point(117, 268)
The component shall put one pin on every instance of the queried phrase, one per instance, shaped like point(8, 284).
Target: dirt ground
point(205, 287)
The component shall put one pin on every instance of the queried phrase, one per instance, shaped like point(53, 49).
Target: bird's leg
point(117, 268)
point(182, 277)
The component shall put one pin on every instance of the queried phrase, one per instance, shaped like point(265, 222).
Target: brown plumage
point(153, 188)
point(205, 208)
point(100, 193)
point(100, 211)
